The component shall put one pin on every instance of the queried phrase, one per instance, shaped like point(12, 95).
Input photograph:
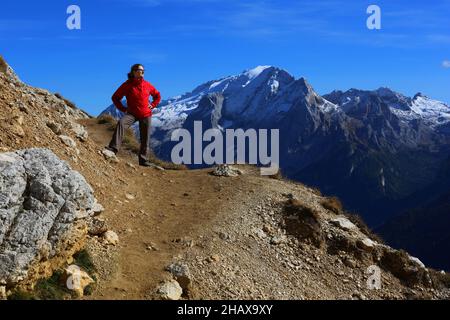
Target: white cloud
point(446, 64)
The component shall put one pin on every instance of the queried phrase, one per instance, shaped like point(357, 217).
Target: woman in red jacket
point(137, 91)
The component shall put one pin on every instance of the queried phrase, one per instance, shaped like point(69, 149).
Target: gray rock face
point(41, 202)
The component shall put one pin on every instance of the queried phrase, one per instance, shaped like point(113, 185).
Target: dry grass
point(316, 191)
point(306, 226)
point(3, 65)
point(334, 205)
point(132, 144)
point(54, 287)
point(107, 119)
point(398, 262)
point(66, 101)
point(300, 207)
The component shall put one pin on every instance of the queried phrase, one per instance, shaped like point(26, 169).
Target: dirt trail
point(169, 206)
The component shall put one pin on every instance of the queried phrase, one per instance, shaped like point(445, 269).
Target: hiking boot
point(145, 163)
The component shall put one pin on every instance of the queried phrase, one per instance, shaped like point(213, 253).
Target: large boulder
point(44, 208)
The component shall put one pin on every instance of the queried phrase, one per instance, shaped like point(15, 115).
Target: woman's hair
point(133, 67)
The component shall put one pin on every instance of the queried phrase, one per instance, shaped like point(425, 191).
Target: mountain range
point(381, 152)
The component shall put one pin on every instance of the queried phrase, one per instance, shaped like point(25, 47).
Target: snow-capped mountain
point(390, 120)
point(433, 113)
point(255, 95)
point(370, 148)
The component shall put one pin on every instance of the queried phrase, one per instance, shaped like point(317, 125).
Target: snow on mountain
point(267, 93)
point(436, 112)
point(255, 72)
point(432, 112)
point(248, 95)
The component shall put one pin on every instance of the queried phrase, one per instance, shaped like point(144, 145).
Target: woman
point(137, 91)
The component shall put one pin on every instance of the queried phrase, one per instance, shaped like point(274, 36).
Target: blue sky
point(183, 43)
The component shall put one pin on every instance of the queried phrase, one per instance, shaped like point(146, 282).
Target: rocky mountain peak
point(419, 95)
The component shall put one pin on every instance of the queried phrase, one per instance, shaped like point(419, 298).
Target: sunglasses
point(142, 70)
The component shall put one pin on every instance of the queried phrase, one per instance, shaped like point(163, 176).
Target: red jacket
point(138, 92)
